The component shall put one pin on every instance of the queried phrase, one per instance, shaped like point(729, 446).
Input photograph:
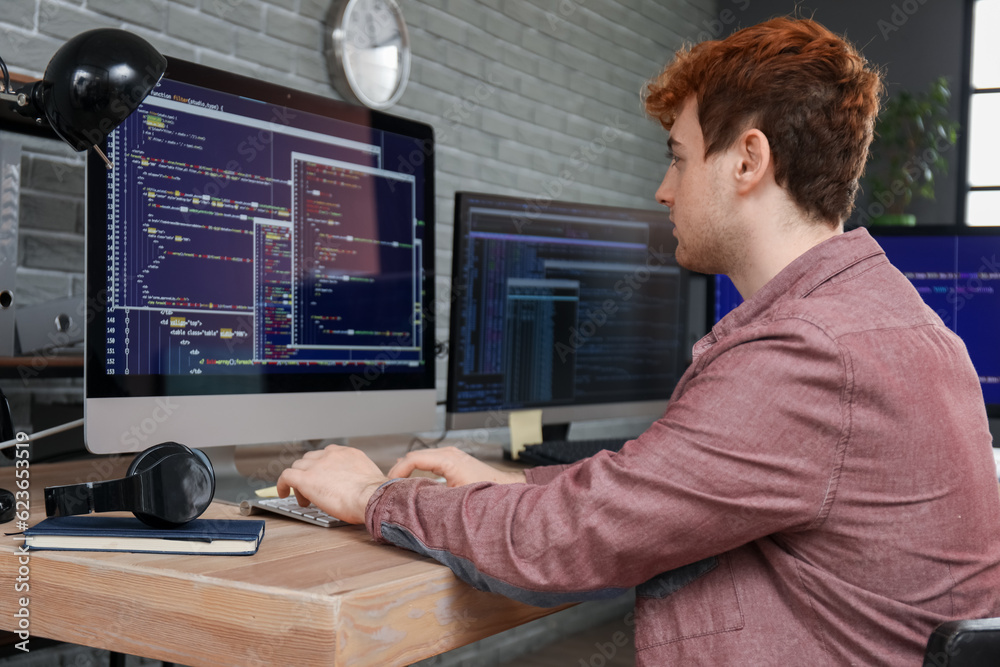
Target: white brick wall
point(50, 235)
point(530, 98)
point(517, 90)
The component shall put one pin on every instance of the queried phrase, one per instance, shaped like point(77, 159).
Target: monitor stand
point(232, 486)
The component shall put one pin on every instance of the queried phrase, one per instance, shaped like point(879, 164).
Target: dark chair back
point(973, 643)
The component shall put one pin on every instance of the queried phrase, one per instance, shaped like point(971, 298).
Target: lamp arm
point(19, 98)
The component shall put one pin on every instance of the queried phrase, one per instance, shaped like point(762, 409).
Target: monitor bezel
point(551, 415)
point(413, 394)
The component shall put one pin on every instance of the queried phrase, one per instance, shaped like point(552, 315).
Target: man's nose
point(665, 193)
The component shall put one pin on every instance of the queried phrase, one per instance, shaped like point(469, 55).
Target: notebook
point(220, 537)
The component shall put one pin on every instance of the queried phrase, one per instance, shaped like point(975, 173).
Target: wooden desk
point(310, 596)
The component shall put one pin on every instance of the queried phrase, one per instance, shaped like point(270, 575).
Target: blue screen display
point(573, 304)
point(726, 296)
point(956, 271)
point(247, 237)
point(958, 276)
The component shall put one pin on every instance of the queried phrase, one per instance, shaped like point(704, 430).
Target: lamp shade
point(93, 82)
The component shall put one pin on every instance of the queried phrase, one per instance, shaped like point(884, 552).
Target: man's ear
point(753, 159)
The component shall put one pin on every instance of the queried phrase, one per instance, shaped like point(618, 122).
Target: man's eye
point(671, 157)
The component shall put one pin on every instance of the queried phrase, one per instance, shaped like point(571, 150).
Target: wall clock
point(368, 51)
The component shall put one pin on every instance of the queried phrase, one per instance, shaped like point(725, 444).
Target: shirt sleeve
point(543, 474)
point(749, 447)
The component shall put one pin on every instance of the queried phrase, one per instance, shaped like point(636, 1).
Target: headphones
point(166, 486)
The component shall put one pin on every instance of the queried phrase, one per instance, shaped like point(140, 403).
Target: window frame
point(966, 115)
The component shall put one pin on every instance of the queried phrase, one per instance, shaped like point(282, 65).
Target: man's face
point(709, 239)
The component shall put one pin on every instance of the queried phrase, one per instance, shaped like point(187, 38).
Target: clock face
point(371, 49)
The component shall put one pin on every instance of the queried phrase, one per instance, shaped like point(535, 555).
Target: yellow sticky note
point(525, 429)
point(269, 492)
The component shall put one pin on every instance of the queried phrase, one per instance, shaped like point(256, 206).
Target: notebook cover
point(102, 532)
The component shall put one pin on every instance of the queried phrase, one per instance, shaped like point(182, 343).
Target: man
point(820, 490)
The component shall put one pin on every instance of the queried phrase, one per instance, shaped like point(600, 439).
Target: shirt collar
point(804, 274)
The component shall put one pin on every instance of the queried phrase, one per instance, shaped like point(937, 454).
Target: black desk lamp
point(91, 84)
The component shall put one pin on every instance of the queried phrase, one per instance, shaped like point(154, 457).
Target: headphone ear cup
point(177, 484)
point(203, 457)
point(150, 456)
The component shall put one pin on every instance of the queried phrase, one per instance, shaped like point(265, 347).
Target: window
point(982, 206)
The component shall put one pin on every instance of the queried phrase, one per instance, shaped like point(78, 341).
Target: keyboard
point(289, 507)
point(556, 452)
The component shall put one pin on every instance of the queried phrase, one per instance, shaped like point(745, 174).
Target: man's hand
point(457, 467)
point(338, 480)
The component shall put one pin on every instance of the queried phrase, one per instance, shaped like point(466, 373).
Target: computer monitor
point(957, 272)
point(575, 309)
point(725, 297)
point(259, 269)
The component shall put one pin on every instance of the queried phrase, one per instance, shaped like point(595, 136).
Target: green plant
point(912, 135)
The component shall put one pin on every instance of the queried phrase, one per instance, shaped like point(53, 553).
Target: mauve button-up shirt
point(820, 490)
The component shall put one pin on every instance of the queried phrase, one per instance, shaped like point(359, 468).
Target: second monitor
point(576, 309)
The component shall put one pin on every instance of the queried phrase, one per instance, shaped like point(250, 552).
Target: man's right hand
point(457, 467)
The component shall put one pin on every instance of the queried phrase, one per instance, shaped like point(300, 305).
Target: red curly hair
point(808, 90)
